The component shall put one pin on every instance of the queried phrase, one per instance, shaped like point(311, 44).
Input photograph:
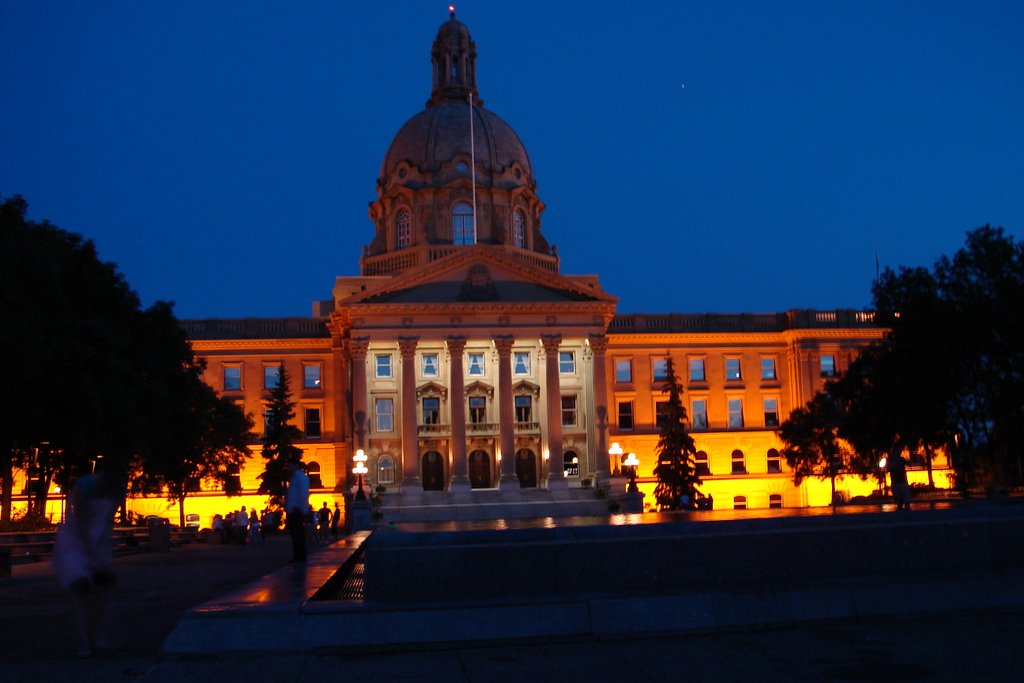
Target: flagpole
point(472, 162)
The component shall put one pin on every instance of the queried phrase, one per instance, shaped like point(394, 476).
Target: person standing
point(83, 556)
point(897, 467)
point(335, 519)
point(296, 503)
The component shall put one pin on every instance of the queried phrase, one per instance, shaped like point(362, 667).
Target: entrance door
point(433, 471)
point(479, 470)
point(526, 468)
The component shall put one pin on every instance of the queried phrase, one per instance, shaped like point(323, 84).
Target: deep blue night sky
point(223, 153)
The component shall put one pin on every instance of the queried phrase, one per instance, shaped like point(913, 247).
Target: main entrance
point(433, 471)
point(526, 468)
point(480, 470)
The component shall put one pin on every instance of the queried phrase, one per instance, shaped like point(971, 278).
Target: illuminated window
point(385, 469)
point(477, 409)
point(311, 423)
point(739, 503)
point(739, 465)
point(271, 376)
point(660, 414)
point(774, 461)
point(732, 370)
point(521, 363)
point(771, 412)
point(828, 366)
point(625, 415)
point(431, 410)
point(623, 370)
point(768, 369)
point(567, 362)
point(735, 413)
point(462, 224)
point(403, 229)
point(518, 229)
point(232, 378)
point(569, 411)
point(702, 465)
point(311, 376)
point(382, 365)
point(699, 414)
point(385, 409)
point(659, 367)
point(524, 409)
point(775, 500)
point(697, 370)
point(429, 365)
point(476, 364)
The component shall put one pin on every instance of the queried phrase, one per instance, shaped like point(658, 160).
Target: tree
point(811, 442)
point(279, 440)
point(676, 469)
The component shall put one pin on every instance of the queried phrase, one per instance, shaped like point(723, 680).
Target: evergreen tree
point(279, 440)
point(676, 468)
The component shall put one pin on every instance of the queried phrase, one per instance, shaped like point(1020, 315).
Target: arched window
point(775, 500)
point(571, 464)
point(385, 469)
point(518, 229)
point(774, 461)
point(403, 229)
point(702, 466)
point(313, 472)
point(739, 466)
point(739, 503)
point(463, 231)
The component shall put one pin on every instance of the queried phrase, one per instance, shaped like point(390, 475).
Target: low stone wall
point(492, 564)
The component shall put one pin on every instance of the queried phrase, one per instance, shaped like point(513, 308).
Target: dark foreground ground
point(36, 643)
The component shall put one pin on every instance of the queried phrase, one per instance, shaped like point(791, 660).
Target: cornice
point(207, 345)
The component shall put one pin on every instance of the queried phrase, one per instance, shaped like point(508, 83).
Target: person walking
point(296, 505)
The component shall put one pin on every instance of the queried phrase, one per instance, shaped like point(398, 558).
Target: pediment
point(480, 275)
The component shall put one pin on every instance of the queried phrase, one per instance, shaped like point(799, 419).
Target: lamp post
point(881, 480)
point(359, 469)
point(615, 455)
point(632, 462)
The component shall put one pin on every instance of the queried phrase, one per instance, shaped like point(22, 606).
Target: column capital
point(503, 343)
point(407, 346)
point(598, 344)
point(551, 342)
point(456, 345)
point(358, 347)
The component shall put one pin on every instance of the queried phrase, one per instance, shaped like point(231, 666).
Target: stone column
point(598, 345)
point(357, 352)
point(338, 391)
point(553, 402)
point(460, 466)
point(410, 440)
point(506, 413)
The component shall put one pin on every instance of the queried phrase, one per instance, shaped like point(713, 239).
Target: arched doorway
point(433, 471)
point(480, 470)
point(526, 468)
point(571, 464)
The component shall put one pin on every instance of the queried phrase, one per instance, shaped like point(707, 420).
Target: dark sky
point(223, 154)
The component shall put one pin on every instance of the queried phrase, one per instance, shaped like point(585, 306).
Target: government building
point(480, 381)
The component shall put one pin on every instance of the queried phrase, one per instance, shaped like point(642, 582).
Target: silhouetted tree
point(676, 469)
point(812, 447)
point(279, 440)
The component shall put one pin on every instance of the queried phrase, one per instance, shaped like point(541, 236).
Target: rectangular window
point(732, 370)
point(699, 414)
point(382, 365)
point(771, 412)
point(385, 409)
point(311, 423)
point(428, 365)
point(567, 362)
point(568, 411)
point(431, 410)
point(828, 366)
point(697, 370)
point(271, 373)
point(625, 415)
point(659, 367)
point(660, 413)
point(232, 378)
point(524, 408)
point(311, 376)
point(475, 363)
point(735, 413)
point(768, 369)
point(521, 364)
point(477, 409)
point(623, 370)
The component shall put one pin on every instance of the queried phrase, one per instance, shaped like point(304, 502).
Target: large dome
point(440, 133)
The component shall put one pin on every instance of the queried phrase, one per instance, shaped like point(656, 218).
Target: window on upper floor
point(403, 229)
point(271, 376)
point(524, 409)
point(623, 370)
point(311, 375)
point(521, 362)
point(385, 411)
point(567, 362)
point(697, 370)
point(660, 414)
point(771, 412)
point(475, 364)
point(828, 366)
point(463, 231)
point(382, 366)
point(774, 461)
point(518, 228)
point(739, 463)
point(735, 413)
point(431, 410)
point(732, 370)
point(701, 464)
point(569, 417)
point(768, 369)
point(477, 410)
point(428, 365)
point(311, 423)
point(699, 413)
point(233, 377)
point(625, 415)
point(659, 369)
point(313, 472)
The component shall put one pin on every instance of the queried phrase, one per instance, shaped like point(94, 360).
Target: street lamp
point(359, 469)
point(632, 462)
point(615, 455)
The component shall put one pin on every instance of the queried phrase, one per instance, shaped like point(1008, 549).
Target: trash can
point(159, 535)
